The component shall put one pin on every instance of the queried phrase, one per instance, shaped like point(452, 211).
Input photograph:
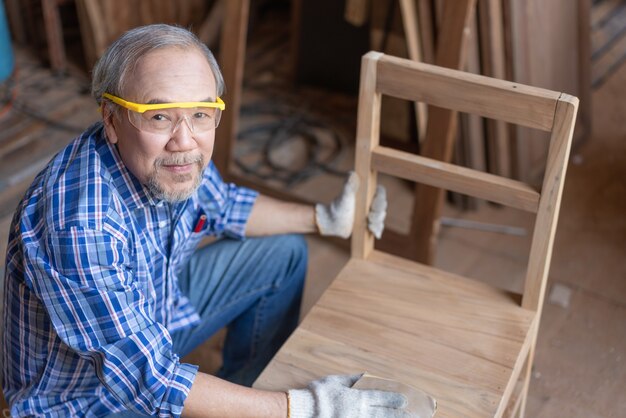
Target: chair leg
point(527, 376)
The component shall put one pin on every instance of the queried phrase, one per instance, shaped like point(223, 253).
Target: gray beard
point(159, 192)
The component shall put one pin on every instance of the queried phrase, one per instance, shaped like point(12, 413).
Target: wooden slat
point(493, 65)
point(425, 15)
point(458, 179)
point(357, 12)
point(441, 129)
point(545, 224)
point(16, 22)
point(608, 61)
point(232, 59)
point(368, 137)
point(470, 151)
point(548, 211)
point(602, 11)
point(456, 339)
point(412, 35)
point(465, 92)
point(602, 37)
point(210, 29)
point(584, 69)
point(515, 401)
point(54, 34)
point(93, 29)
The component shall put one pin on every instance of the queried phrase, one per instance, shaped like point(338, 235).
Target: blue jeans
point(255, 288)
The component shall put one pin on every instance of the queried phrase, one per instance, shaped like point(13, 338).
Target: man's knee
point(296, 247)
point(284, 245)
point(290, 252)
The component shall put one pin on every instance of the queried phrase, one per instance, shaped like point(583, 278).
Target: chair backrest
point(464, 92)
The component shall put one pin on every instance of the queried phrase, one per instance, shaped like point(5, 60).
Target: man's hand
point(333, 397)
point(337, 219)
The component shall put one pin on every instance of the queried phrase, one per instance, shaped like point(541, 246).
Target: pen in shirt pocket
point(200, 222)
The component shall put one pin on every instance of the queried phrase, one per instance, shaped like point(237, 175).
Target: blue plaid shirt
point(91, 294)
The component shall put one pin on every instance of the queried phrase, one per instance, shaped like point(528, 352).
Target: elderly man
point(105, 287)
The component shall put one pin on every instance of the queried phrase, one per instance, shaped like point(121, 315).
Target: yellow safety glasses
point(164, 118)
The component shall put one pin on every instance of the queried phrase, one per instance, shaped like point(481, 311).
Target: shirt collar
point(134, 194)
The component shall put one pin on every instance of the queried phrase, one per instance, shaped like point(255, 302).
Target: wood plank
point(471, 93)
point(357, 12)
point(211, 27)
point(610, 31)
point(441, 128)
point(398, 346)
point(515, 401)
point(460, 370)
point(606, 63)
point(493, 65)
point(470, 145)
point(543, 32)
point(311, 356)
point(93, 29)
point(547, 219)
point(458, 179)
point(358, 292)
point(427, 34)
point(412, 36)
point(548, 212)
point(232, 58)
point(584, 72)
point(601, 11)
point(54, 35)
point(367, 138)
point(16, 22)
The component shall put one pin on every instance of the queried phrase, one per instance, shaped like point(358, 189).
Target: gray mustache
point(178, 159)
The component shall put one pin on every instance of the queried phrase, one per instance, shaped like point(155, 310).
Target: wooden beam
point(212, 25)
point(232, 58)
point(412, 35)
point(16, 22)
point(493, 65)
point(427, 36)
point(54, 35)
point(459, 179)
point(441, 128)
point(357, 12)
point(469, 93)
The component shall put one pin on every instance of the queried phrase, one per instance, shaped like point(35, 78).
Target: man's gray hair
point(121, 57)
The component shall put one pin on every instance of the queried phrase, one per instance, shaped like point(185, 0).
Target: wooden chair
point(466, 343)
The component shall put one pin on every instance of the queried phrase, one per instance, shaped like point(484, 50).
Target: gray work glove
point(333, 397)
point(337, 219)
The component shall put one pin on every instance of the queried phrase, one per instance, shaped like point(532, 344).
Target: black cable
point(17, 101)
point(286, 123)
point(34, 114)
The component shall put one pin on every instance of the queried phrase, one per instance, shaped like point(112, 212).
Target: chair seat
point(457, 339)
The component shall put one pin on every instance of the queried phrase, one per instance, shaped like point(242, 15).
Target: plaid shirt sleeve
point(227, 205)
point(84, 278)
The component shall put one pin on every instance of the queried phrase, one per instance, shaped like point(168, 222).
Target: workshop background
point(292, 72)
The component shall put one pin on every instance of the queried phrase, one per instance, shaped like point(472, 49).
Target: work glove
point(333, 397)
point(337, 219)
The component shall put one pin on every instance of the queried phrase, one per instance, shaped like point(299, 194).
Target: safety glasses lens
point(165, 121)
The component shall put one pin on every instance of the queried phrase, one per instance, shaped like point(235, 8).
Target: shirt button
point(162, 224)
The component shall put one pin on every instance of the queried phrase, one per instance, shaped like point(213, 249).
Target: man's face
point(170, 165)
